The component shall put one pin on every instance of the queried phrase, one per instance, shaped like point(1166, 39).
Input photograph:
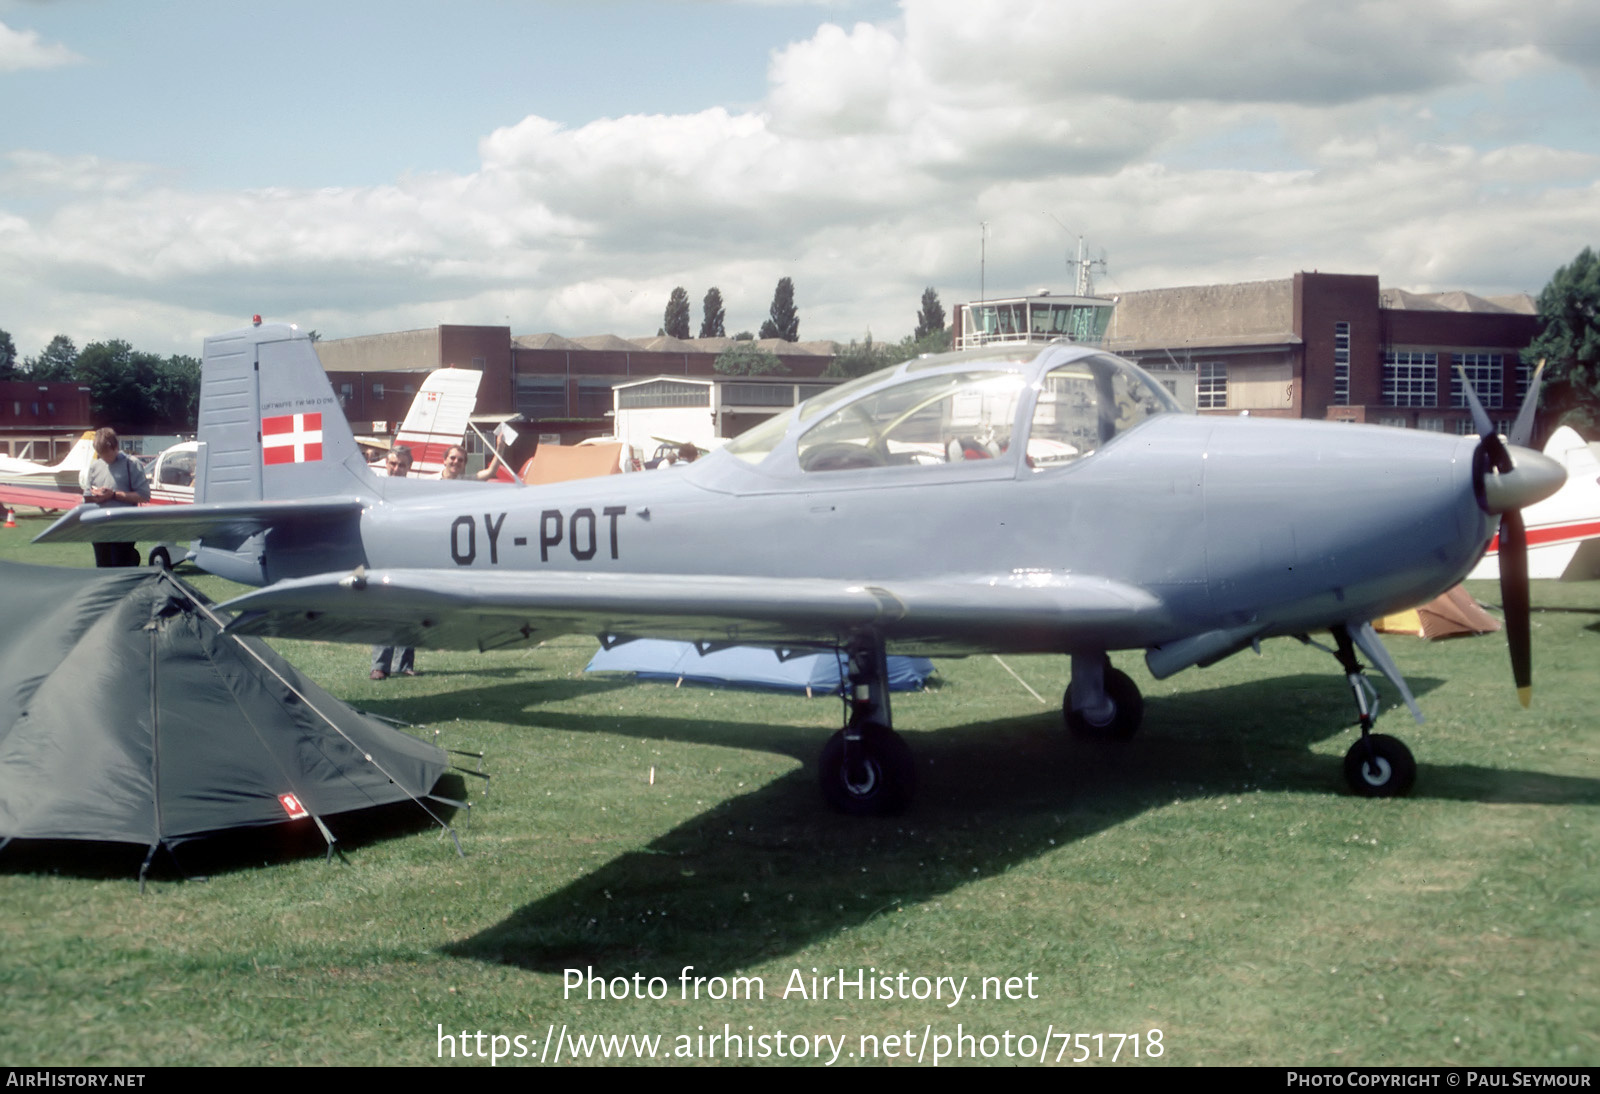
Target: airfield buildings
point(1314, 345)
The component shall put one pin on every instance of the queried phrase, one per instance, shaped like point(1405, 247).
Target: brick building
point(1333, 346)
point(41, 422)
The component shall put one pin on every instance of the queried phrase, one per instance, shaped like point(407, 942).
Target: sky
point(354, 166)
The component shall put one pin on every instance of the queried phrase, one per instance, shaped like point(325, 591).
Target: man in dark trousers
point(113, 481)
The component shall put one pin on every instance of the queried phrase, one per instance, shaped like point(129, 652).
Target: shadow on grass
point(236, 849)
point(766, 874)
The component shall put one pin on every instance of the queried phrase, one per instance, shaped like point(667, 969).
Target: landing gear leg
point(1101, 701)
point(866, 768)
point(1377, 766)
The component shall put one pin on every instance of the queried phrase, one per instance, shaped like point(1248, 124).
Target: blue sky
point(166, 170)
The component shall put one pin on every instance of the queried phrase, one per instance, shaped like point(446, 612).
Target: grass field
point(1212, 880)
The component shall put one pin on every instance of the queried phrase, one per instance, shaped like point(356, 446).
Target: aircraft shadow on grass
point(767, 873)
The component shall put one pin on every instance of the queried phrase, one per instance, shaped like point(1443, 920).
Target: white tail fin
point(270, 426)
point(438, 418)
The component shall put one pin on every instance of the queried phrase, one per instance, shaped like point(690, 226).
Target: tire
point(1389, 771)
point(159, 557)
point(1126, 717)
point(885, 783)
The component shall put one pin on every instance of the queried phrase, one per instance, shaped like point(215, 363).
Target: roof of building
point(544, 341)
point(1457, 301)
point(1249, 313)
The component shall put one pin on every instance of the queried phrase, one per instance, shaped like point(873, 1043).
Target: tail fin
point(438, 418)
point(270, 426)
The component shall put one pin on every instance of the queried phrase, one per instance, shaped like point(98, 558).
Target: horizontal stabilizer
point(91, 524)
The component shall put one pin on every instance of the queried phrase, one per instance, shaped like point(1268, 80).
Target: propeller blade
point(1514, 598)
point(1522, 428)
point(1480, 417)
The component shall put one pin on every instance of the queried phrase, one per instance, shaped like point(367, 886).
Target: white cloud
point(863, 174)
point(22, 49)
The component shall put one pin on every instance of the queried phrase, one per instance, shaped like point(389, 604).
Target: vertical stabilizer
point(270, 426)
point(438, 418)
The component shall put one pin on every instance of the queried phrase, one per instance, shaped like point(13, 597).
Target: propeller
point(1506, 479)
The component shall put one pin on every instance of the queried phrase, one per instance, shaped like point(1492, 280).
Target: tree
point(712, 325)
point(748, 359)
point(57, 364)
point(858, 359)
point(931, 317)
point(783, 321)
point(1569, 343)
point(8, 357)
point(676, 320)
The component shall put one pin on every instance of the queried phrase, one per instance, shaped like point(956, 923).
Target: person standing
point(113, 481)
point(398, 464)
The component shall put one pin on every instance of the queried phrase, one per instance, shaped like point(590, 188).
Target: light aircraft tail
point(270, 425)
point(438, 418)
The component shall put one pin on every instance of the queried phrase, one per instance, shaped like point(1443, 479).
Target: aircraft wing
point(477, 610)
point(179, 523)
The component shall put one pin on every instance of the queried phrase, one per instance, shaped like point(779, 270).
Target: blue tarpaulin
point(746, 667)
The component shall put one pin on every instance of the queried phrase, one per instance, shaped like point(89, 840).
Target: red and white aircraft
point(1558, 525)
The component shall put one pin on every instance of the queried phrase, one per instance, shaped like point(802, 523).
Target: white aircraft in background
point(56, 486)
point(1558, 525)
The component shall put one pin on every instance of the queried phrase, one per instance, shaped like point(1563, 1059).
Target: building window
point(1432, 425)
point(1410, 378)
point(542, 396)
point(1341, 364)
point(377, 391)
point(1524, 380)
point(1211, 388)
point(1484, 370)
point(594, 398)
point(480, 363)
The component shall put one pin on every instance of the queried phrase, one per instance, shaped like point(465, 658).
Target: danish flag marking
point(291, 438)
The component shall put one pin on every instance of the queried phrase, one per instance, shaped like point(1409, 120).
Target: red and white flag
point(291, 438)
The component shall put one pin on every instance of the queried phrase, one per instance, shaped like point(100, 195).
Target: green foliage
point(675, 322)
point(748, 359)
point(8, 357)
point(783, 320)
point(134, 391)
point(56, 364)
point(1569, 343)
point(858, 359)
point(711, 326)
point(931, 316)
point(745, 336)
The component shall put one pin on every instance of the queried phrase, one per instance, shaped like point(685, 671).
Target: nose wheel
point(1379, 766)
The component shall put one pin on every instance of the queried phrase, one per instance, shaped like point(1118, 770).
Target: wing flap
point(481, 610)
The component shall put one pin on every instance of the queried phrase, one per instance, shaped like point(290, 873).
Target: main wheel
point(1386, 772)
point(160, 557)
point(882, 782)
point(1126, 714)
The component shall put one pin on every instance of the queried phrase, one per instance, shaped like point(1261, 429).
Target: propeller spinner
point(1507, 478)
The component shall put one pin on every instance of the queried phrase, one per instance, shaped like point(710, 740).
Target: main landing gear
point(1377, 766)
point(866, 768)
point(1101, 702)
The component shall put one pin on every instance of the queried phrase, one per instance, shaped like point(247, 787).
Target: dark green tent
point(127, 715)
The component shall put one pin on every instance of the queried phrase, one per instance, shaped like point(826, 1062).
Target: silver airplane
point(1011, 499)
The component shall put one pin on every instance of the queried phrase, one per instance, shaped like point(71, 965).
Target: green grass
point(1212, 880)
